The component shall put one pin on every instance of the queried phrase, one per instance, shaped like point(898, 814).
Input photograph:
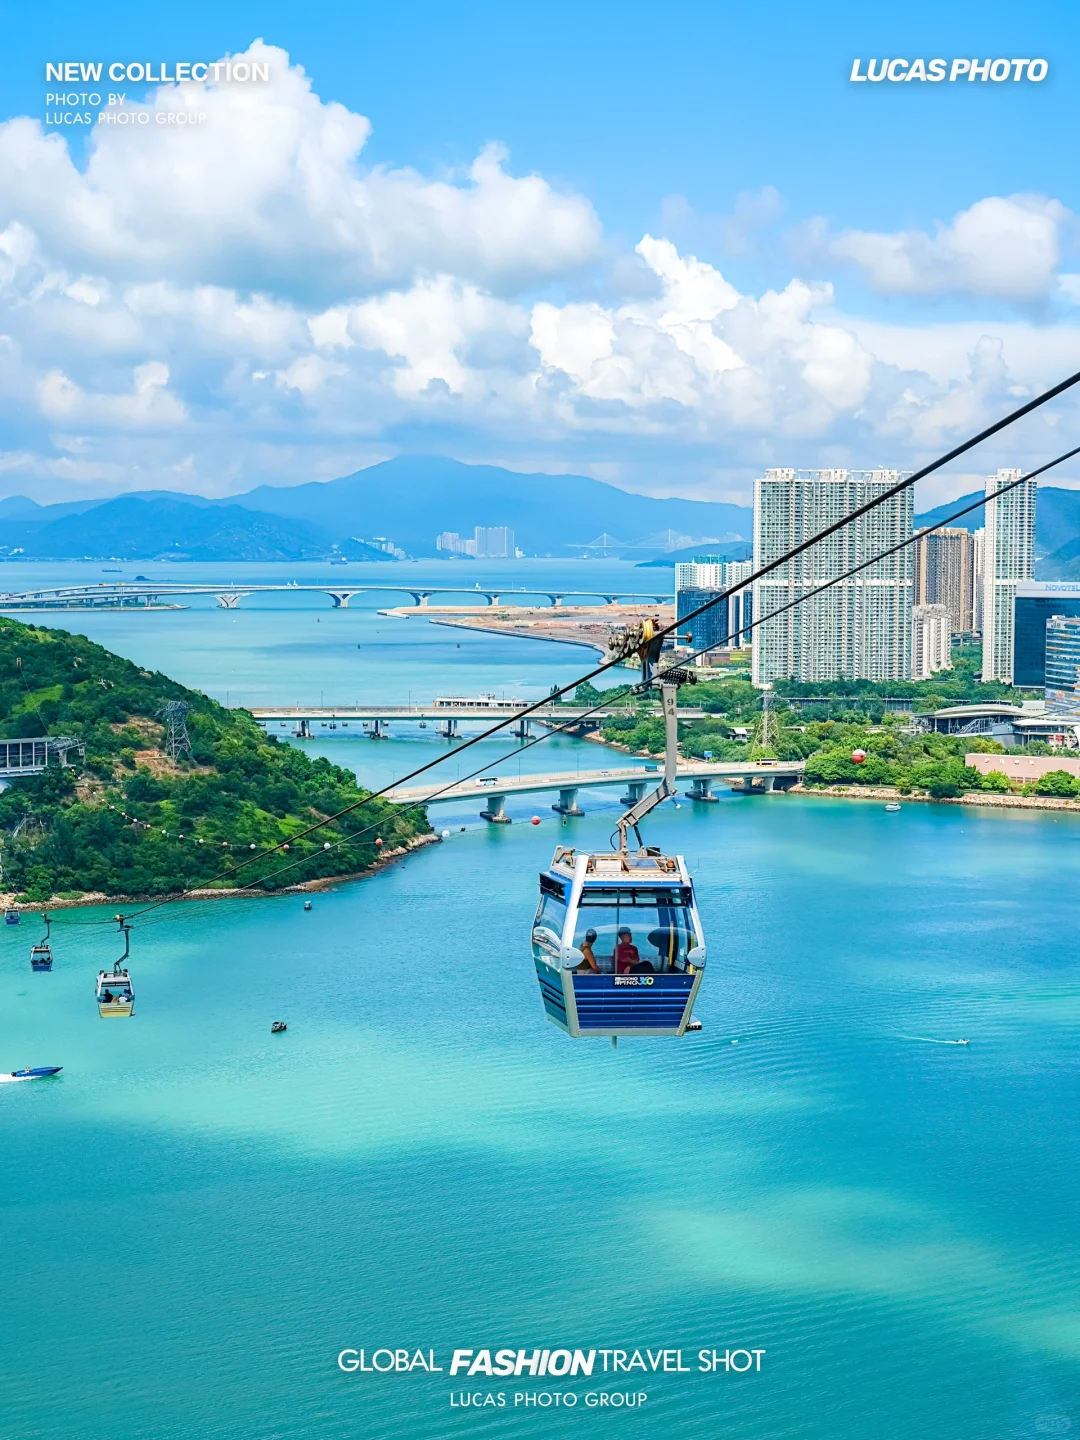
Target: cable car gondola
point(617, 939)
point(12, 917)
point(41, 956)
point(115, 995)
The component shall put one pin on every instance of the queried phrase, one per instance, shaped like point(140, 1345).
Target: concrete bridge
point(307, 720)
point(123, 594)
point(747, 775)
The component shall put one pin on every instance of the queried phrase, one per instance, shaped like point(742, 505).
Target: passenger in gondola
point(588, 964)
point(626, 953)
point(107, 998)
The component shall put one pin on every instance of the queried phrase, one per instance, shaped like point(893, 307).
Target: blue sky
point(470, 312)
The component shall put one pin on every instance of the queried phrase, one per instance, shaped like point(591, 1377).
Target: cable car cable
point(575, 720)
point(642, 686)
point(516, 716)
point(874, 560)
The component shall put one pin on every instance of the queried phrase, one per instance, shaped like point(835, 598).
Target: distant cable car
point(11, 917)
point(858, 756)
point(617, 938)
point(41, 956)
point(115, 994)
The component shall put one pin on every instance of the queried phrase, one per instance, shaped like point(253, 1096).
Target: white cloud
point(1000, 248)
point(148, 405)
point(214, 308)
point(268, 193)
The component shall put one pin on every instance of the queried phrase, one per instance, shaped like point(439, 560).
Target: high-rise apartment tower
point(859, 629)
point(1008, 558)
point(945, 575)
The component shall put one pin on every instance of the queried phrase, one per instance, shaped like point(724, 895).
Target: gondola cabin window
point(549, 922)
point(637, 931)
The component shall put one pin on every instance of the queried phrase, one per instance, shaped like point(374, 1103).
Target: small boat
point(278, 1027)
point(693, 1024)
point(892, 807)
point(38, 1072)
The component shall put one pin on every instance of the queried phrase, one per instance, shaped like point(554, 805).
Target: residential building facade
point(489, 542)
point(726, 624)
point(859, 628)
point(945, 575)
point(1008, 559)
point(931, 640)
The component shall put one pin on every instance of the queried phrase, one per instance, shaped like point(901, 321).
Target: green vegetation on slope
point(71, 830)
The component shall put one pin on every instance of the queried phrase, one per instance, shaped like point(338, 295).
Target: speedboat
point(892, 807)
point(37, 1072)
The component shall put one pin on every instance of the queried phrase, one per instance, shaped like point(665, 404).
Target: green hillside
point(130, 820)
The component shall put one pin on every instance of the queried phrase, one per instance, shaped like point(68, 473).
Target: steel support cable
point(639, 688)
point(876, 559)
point(606, 665)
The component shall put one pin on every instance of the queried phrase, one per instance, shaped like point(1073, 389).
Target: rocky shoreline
point(8, 900)
point(972, 797)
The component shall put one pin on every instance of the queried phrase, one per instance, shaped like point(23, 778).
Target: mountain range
point(412, 499)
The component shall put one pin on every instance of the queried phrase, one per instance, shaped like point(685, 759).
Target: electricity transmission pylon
point(177, 739)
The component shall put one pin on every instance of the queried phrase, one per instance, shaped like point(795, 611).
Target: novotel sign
point(935, 70)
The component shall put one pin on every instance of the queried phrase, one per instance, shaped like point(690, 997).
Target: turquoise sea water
point(198, 1216)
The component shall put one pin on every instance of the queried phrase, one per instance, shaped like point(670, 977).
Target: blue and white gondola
point(617, 938)
point(652, 897)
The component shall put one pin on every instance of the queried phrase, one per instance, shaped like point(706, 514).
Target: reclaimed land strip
point(587, 626)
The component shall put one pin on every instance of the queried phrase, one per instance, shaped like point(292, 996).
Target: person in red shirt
point(626, 953)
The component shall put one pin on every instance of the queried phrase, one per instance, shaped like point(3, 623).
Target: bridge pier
point(228, 602)
point(521, 729)
point(449, 729)
point(493, 811)
point(302, 731)
point(759, 784)
point(701, 789)
point(341, 598)
point(635, 789)
point(567, 802)
point(422, 598)
point(376, 731)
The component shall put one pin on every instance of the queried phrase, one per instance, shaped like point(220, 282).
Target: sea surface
point(199, 1216)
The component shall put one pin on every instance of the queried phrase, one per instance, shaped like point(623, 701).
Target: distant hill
point(414, 498)
point(1057, 523)
point(733, 550)
point(411, 499)
point(132, 529)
